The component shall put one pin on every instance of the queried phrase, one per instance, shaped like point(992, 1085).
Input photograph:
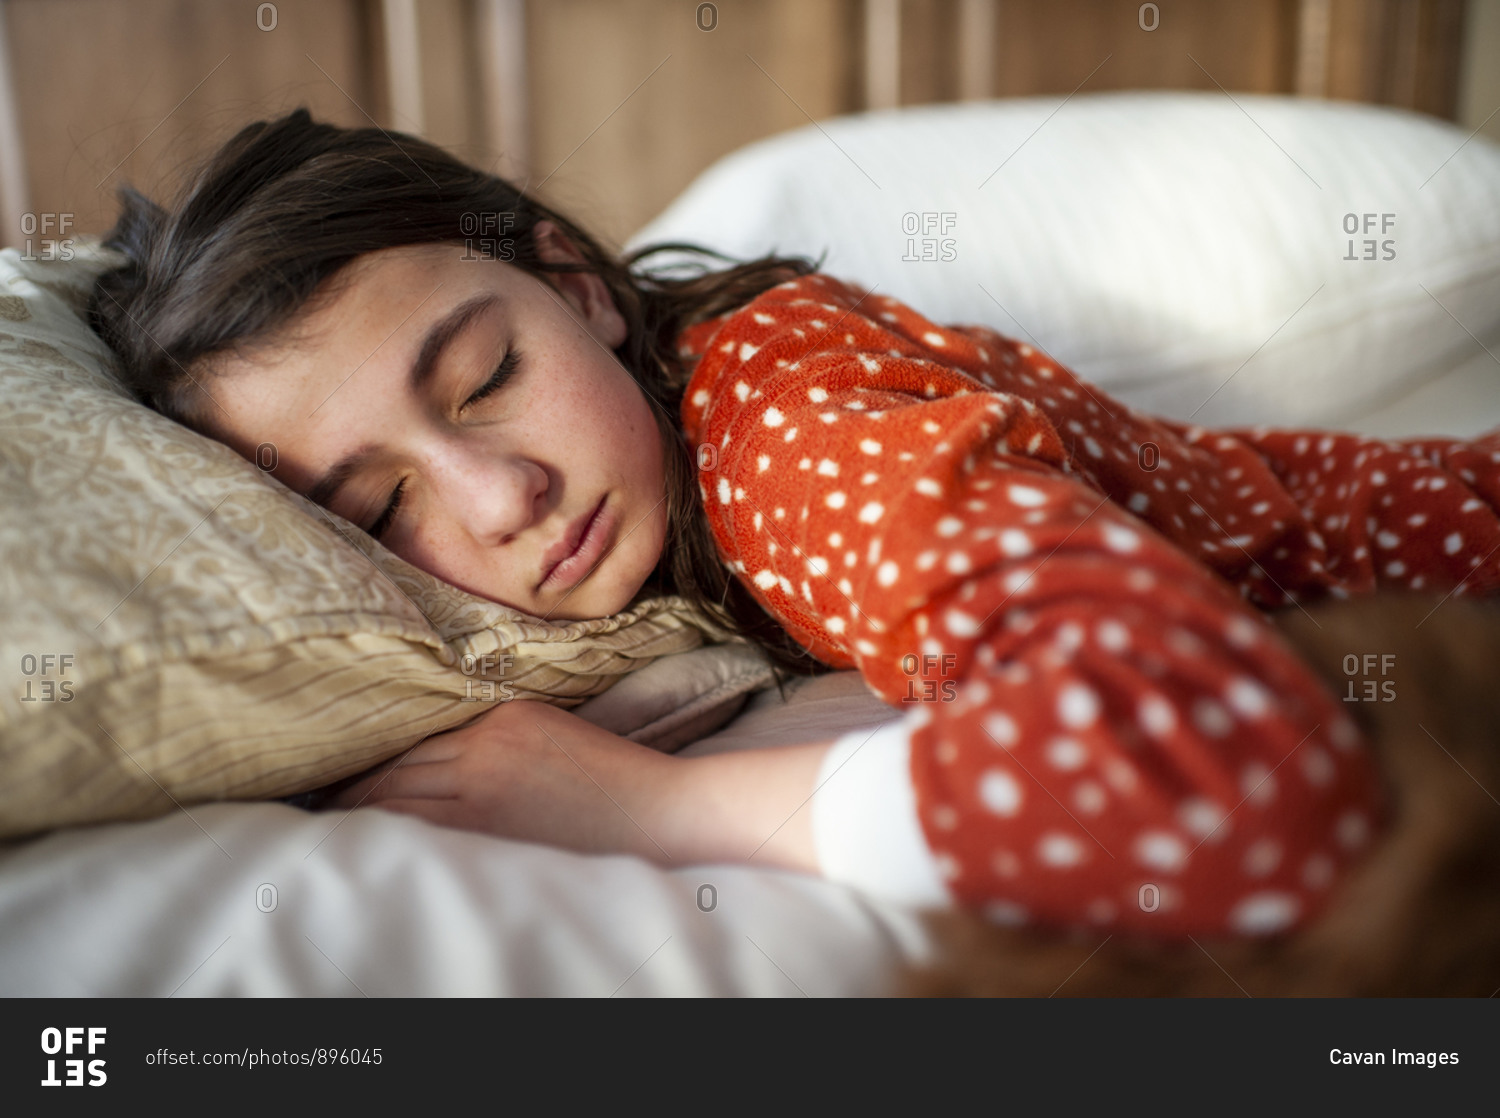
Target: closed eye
point(502, 373)
point(383, 522)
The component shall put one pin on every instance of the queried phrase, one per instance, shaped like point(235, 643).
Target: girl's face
point(470, 416)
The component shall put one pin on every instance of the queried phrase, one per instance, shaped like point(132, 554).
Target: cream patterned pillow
point(179, 626)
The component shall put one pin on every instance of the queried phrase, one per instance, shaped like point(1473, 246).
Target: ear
point(586, 291)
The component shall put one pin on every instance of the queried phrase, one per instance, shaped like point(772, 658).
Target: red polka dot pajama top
point(1063, 595)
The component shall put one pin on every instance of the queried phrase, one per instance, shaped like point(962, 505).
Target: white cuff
point(864, 818)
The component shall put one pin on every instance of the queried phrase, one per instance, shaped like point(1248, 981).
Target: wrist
point(752, 806)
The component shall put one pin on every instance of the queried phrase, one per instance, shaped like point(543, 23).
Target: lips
point(573, 557)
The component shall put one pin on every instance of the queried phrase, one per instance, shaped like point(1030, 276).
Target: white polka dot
point(1211, 718)
point(928, 488)
point(958, 562)
point(1156, 716)
point(765, 579)
point(960, 624)
point(1015, 542)
point(1089, 797)
point(1060, 850)
point(1119, 538)
point(1387, 539)
point(1069, 638)
point(835, 500)
point(1202, 817)
point(1258, 784)
point(1452, 543)
point(1241, 632)
point(871, 512)
point(1025, 496)
point(1353, 830)
point(1248, 697)
point(1161, 850)
point(1002, 728)
point(1077, 706)
point(1006, 914)
point(1000, 792)
point(949, 526)
point(887, 573)
point(1121, 776)
point(1317, 765)
point(1261, 858)
point(1066, 754)
point(1112, 636)
point(1264, 913)
point(724, 493)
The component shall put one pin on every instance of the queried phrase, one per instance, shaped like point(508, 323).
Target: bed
point(1188, 252)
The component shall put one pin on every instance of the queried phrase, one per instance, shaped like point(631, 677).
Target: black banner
point(87, 1056)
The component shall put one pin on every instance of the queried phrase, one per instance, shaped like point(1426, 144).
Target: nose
point(494, 494)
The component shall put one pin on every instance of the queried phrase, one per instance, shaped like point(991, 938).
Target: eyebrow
point(438, 338)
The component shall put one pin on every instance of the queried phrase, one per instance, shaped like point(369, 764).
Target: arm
point(1104, 713)
point(533, 772)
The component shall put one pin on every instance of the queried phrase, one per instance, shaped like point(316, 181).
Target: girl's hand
point(530, 771)
point(527, 770)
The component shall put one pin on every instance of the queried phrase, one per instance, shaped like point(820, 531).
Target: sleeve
point(1099, 730)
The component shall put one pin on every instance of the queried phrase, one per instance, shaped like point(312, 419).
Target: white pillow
point(1185, 251)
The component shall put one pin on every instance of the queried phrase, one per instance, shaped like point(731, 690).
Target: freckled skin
point(488, 488)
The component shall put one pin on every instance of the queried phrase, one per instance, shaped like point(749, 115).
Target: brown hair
point(286, 204)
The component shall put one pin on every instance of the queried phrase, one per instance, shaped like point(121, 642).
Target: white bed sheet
point(384, 905)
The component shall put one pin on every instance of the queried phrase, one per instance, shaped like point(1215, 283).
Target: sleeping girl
point(1069, 601)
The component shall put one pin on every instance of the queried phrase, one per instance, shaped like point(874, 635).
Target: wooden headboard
point(610, 107)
